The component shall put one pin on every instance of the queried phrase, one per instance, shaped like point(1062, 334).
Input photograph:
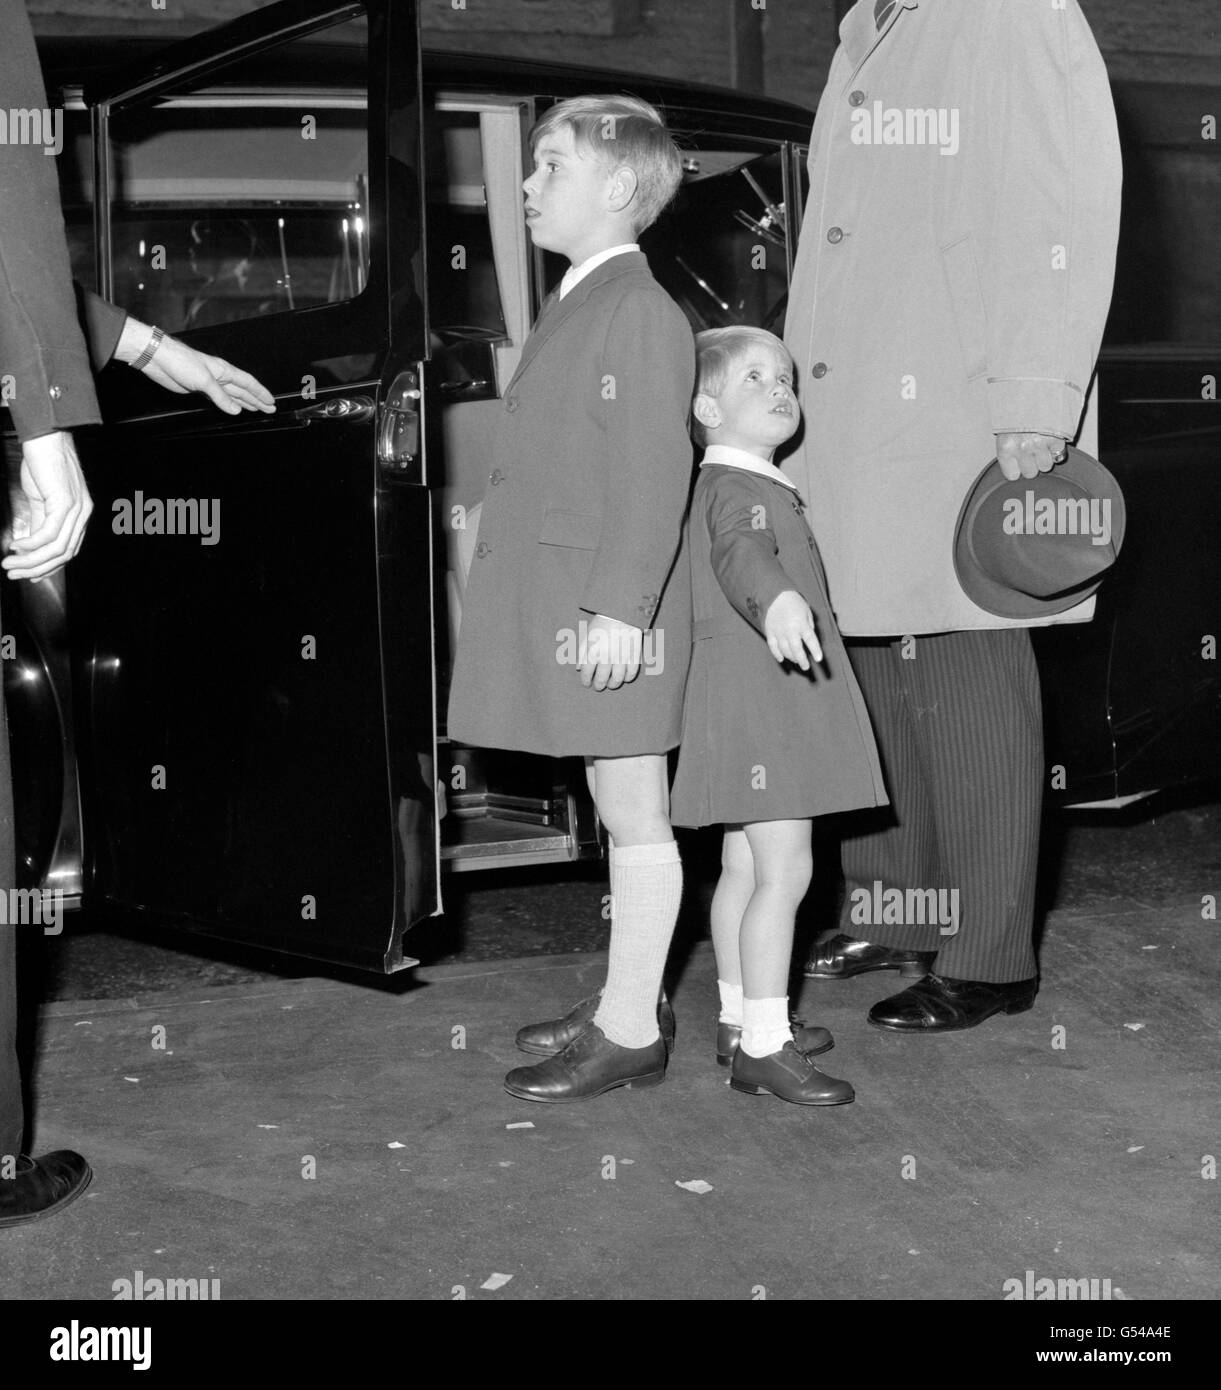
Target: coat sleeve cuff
point(1036, 405)
point(103, 323)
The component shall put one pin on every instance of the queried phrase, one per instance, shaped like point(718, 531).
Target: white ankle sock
point(731, 1003)
point(765, 1026)
point(646, 890)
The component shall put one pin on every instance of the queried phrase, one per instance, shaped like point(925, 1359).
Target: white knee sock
point(765, 1026)
point(646, 890)
point(731, 1003)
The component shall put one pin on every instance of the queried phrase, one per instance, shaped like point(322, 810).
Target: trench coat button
point(819, 370)
point(483, 549)
point(511, 404)
point(55, 392)
point(835, 235)
point(856, 98)
point(496, 477)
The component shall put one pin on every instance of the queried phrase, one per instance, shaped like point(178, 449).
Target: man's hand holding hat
point(1027, 455)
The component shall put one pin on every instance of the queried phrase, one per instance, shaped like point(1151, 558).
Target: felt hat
point(1041, 545)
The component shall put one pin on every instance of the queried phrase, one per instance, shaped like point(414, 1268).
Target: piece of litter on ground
point(627, 1160)
point(521, 1124)
point(159, 1252)
point(84, 1023)
point(1134, 1027)
point(495, 1281)
point(1136, 1148)
point(394, 1144)
point(288, 1006)
point(695, 1185)
point(131, 1078)
point(268, 1126)
point(505, 1163)
point(913, 1252)
point(1148, 948)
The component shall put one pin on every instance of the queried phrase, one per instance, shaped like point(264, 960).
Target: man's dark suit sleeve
point(41, 345)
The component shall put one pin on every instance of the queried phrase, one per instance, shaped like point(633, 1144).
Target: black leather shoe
point(843, 956)
point(42, 1186)
point(590, 1065)
point(546, 1039)
point(937, 1004)
point(789, 1074)
point(811, 1041)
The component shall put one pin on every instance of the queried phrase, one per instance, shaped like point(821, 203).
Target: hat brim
point(999, 599)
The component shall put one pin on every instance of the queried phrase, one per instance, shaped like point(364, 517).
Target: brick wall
point(1156, 40)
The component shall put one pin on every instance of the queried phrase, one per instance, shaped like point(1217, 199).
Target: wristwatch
point(149, 352)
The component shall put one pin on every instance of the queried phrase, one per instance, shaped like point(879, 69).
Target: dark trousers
point(12, 1118)
point(959, 725)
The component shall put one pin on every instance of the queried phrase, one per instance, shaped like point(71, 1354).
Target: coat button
point(511, 403)
point(496, 477)
point(55, 392)
point(483, 549)
point(819, 370)
point(835, 235)
point(856, 98)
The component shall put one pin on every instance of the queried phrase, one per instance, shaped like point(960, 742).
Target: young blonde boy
point(576, 627)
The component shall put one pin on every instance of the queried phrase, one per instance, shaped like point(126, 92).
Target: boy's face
point(756, 409)
point(570, 200)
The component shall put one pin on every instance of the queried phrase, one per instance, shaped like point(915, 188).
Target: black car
point(228, 712)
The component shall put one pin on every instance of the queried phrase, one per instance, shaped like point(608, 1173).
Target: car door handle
point(454, 388)
point(337, 408)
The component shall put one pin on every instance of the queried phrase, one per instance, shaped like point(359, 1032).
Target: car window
point(235, 200)
point(720, 248)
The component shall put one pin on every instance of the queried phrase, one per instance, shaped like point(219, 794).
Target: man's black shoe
point(843, 956)
point(937, 1004)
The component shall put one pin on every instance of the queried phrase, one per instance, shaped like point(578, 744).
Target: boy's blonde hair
point(716, 350)
point(618, 131)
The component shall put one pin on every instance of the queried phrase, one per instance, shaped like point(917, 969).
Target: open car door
point(252, 610)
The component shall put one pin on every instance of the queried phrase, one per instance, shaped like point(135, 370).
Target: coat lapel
point(859, 33)
point(555, 311)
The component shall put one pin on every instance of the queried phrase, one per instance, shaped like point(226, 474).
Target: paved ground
point(326, 1138)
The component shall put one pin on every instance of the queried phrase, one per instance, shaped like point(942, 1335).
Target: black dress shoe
point(843, 956)
point(937, 1004)
point(42, 1186)
point(811, 1041)
point(789, 1074)
point(546, 1039)
point(590, 1065)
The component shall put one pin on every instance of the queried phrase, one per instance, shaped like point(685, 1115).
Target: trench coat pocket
point(967, 301)
point(577, 530)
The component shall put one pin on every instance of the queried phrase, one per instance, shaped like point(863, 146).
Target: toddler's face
point(757, 404)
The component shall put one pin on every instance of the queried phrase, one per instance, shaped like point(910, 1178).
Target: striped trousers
point(959, 725)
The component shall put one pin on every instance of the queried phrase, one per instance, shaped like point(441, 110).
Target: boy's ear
point(706, 411)
point(624, 183)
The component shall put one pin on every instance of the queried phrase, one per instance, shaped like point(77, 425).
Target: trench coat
point(952, 281)
point(764, 741)
point(583, 515)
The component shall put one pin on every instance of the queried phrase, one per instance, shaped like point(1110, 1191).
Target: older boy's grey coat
point(944, 291)
point(583, 515)
point(762, 741)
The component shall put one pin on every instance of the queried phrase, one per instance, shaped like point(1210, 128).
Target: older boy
point(575, 563)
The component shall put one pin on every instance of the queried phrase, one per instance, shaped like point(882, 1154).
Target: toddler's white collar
point(750, 463)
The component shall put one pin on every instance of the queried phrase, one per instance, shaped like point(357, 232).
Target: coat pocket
point(577, 530)
point(967, 302)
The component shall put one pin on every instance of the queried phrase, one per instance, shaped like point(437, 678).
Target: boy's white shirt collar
point(751, 463)
point(576, 273)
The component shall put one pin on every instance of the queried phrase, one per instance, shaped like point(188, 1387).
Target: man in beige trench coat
point(952, 283)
